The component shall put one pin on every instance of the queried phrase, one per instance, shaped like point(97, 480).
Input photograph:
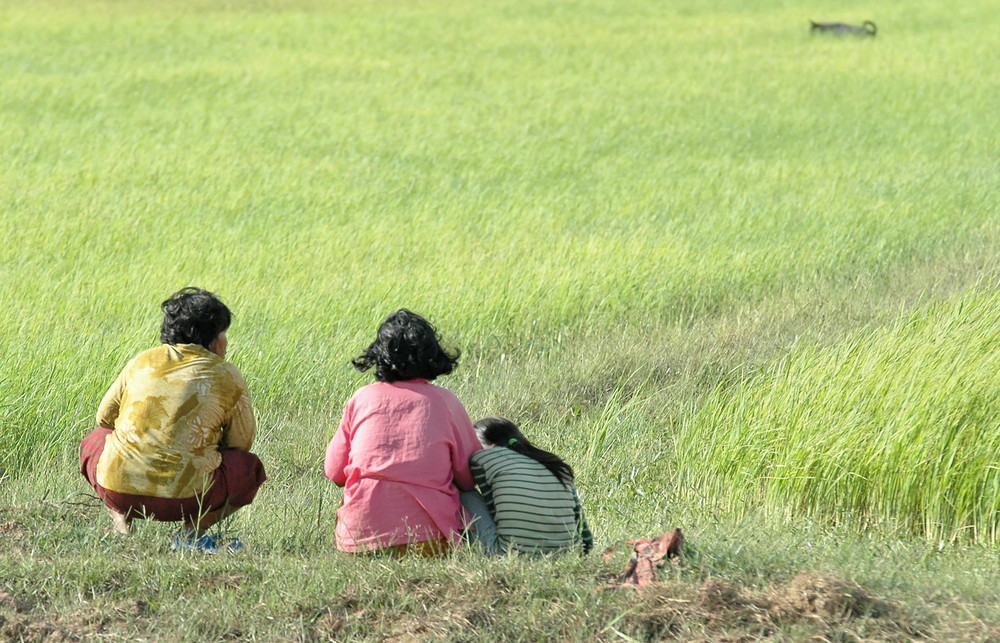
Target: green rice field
point(744, 278)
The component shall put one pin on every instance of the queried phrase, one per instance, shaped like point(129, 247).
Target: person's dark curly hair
point(407, 348)
point(193, 316)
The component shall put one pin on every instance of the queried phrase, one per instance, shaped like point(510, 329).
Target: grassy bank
point(739, 581)
point(637, 221)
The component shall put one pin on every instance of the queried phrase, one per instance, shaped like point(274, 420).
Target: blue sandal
point(190, 540)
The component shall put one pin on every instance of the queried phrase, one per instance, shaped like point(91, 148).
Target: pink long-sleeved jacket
point(399, 452)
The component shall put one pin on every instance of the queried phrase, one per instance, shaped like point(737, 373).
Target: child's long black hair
point(504, 433)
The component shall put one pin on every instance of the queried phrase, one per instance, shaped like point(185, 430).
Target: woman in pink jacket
point(402, 449)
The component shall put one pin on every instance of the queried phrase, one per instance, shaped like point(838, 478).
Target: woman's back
point(399, 451)
point(170, 409)
point(397, 430)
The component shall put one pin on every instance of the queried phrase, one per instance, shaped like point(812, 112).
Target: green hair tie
point(511, 442)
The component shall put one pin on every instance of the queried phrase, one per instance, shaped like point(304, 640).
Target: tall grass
point(894, 426)
point(616, 210)
point(523, 173)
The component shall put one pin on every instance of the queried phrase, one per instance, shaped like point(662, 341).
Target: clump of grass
point(896, 426)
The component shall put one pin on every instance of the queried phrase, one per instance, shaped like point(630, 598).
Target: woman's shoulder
point(232, 373)
point(151, 358)
point(441, 392)
point(412, 393)
point(203, 362)
point(375, 389)
point(419, 388)
point(374, 393)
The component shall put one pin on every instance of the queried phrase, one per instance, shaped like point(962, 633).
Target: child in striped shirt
point(529, 503)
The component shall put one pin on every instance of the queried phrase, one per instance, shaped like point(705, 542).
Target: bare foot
point(123, 524)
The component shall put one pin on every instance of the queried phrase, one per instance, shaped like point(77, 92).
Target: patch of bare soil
point(229, 581)
point(821, 607)
point(329, 622)
point(433, 614)
point(328, 625)
point(9, 604)
point(13, 535)
point(20, 623)
point(11, 527)
point(16, 623)
point(826, 597)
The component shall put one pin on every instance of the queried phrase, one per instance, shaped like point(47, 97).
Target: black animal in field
point(867, 28)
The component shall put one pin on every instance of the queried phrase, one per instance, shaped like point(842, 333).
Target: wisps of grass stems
point(896, 425)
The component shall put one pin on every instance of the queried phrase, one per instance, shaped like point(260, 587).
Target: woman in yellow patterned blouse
point(174, 431)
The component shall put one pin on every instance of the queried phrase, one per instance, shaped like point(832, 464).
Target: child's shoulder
point(496, 456)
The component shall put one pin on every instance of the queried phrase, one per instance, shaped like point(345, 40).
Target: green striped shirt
point(533, 511)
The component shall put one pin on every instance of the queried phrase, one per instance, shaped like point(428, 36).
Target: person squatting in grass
point(528, 502)
point(402, 446)
point(174, 431)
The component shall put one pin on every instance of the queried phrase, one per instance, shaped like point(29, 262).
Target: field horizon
point(743, 278)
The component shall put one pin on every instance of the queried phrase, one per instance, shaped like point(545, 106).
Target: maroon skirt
point(234, 483)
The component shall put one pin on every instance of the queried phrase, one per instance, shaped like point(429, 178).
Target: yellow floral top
point(171, 409)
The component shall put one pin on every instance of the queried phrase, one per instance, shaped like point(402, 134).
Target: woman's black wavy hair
point(501, 432)
point(407, 348)
point(193, 316)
